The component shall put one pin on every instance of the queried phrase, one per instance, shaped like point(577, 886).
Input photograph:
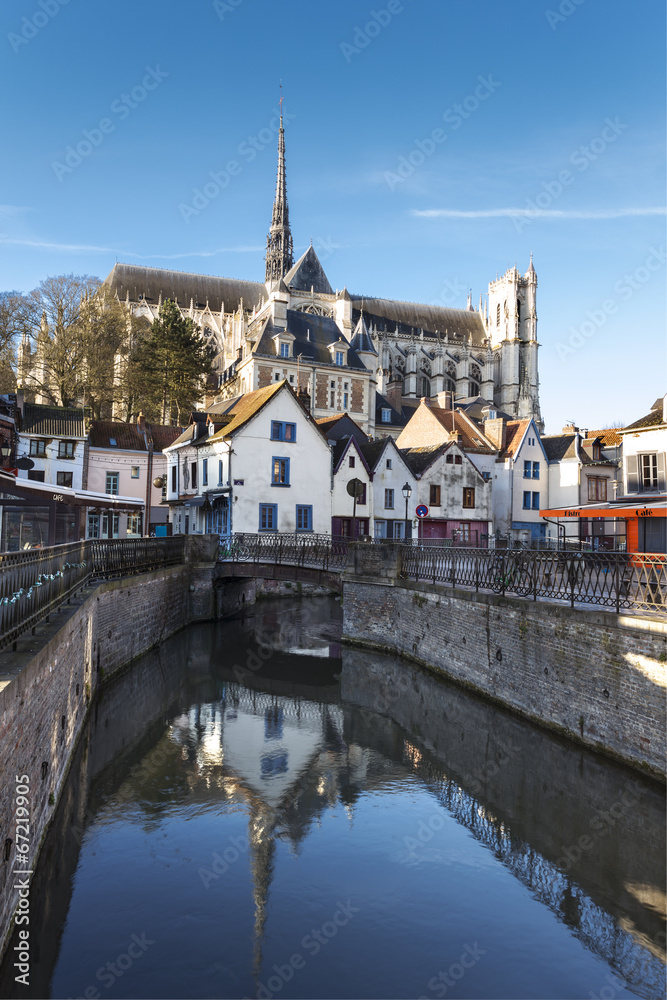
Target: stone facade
point(591, 675)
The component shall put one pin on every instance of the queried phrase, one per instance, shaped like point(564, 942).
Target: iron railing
point(129, 556)
point(617, 580)
point(320, 551)
point(34, 583)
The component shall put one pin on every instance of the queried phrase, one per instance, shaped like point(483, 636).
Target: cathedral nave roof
point(181, 286)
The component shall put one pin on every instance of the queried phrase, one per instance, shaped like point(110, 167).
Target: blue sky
point(430, 145)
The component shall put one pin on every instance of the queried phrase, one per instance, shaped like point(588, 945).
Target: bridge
point(36, 582)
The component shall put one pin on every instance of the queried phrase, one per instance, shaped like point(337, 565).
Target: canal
point(254, 811)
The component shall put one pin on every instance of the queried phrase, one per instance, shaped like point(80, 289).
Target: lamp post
point(407, 493)
point(5, 451)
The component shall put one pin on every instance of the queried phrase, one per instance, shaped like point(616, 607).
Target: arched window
point(424, 387)
point(498, 314)
point(518, 310)
point(474, 381)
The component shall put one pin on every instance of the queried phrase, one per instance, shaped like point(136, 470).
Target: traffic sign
point(422, 510)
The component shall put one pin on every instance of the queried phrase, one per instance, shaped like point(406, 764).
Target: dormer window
point(338, 351)
point(283, 343)
point(340, 358)
point(284, 350)
point(386, 415)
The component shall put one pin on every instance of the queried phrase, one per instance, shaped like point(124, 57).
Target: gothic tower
point(279, 257)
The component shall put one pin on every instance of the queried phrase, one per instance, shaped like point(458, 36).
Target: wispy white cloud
point(536, 213)
point(86, 248)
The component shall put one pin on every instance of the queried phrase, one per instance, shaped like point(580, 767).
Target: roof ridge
point(191, 274)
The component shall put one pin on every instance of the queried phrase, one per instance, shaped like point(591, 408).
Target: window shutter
point(661, 471)
point(633, 474)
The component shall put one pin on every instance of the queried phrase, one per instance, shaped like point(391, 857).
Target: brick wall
point(594, 676)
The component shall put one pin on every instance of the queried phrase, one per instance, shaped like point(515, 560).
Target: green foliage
point(169, 365)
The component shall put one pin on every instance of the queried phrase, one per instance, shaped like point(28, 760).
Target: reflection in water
point(240, 799)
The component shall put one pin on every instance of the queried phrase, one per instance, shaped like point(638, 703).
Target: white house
point(260, 464)
point(644, 465)
point(456, 495)
point(520, 474)
point(54, 439)
point(350, 519)
point(390, 473)
point(125, 459)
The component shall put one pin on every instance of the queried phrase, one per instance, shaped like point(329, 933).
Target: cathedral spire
point(279, 258)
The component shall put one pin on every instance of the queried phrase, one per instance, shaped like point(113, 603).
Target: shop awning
point(616, 508)
point(47, 493)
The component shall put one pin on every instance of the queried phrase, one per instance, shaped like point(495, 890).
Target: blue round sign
point(422, 510)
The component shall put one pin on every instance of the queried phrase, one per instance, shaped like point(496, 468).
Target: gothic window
point(475, 380)
point(498, 314)
point(425, 366)
point(424, 387)
point(400, 363)
point(313, 310)
point(518, 310)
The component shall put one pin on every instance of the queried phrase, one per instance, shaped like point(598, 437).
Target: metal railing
point(34, 583)
point(129, 556)
point(617, 580)
point(319, 551)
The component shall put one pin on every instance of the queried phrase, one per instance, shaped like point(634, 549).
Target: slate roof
point(323, 332)
point(308, 273)
point(361, 340)
point(388, 314)
point(478, 408)
point(419, 459)
point(183, 286)
point(559, 446)
point(397, 419)
point(373, 450)
point(127, 436)
point(341, 425)
point(53, 421)
point(339, 450)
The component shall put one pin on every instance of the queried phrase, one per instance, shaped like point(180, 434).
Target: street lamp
point(407, 493)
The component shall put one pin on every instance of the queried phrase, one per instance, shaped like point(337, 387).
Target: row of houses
point(261, 462)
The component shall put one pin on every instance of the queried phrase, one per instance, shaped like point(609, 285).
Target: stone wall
point(42, 707)
point(594, 676)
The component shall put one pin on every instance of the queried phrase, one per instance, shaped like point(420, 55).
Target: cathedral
point(343, 352)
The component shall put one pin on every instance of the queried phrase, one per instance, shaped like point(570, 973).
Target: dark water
point(337, 824)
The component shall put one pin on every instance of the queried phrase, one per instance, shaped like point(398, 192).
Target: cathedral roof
point(312, 337)
point(416, 316)
point(308, 273)
point(153, 282)
point(361, 340)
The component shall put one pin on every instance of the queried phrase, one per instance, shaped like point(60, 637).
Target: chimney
point(570, 429)
point(141, 423)
point(444, 400)
point(395, 394)
point(496, 431)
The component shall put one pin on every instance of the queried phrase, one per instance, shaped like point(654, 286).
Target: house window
point(457, 460)
point(450, 460)
point(361, 500)
point(38, 448)
point(527, 468)
point(385, 415)
point(134, 524)
point(268, 517)
point(536, 470)
point(434, 496)
point(135, 472)
point(468, 496)
point(649, 471)
point(276, 376)
point(204, 472)
point(194, 475)
point(345, 401)
point(280, 431)
point(389, 499)
point(93, 526)
point(284, 350)
point(112, 484)
point(597, 488)
point(304, 517)
point(340, 358)
point(173, 479)
point(66, 449)
point(526, 500)
point(597, 452)
point(64, 479)
point(389, 463)
point(351, 461)
point(36, 476)
point(536, 501)
point(219, 471)
point(280, 472)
